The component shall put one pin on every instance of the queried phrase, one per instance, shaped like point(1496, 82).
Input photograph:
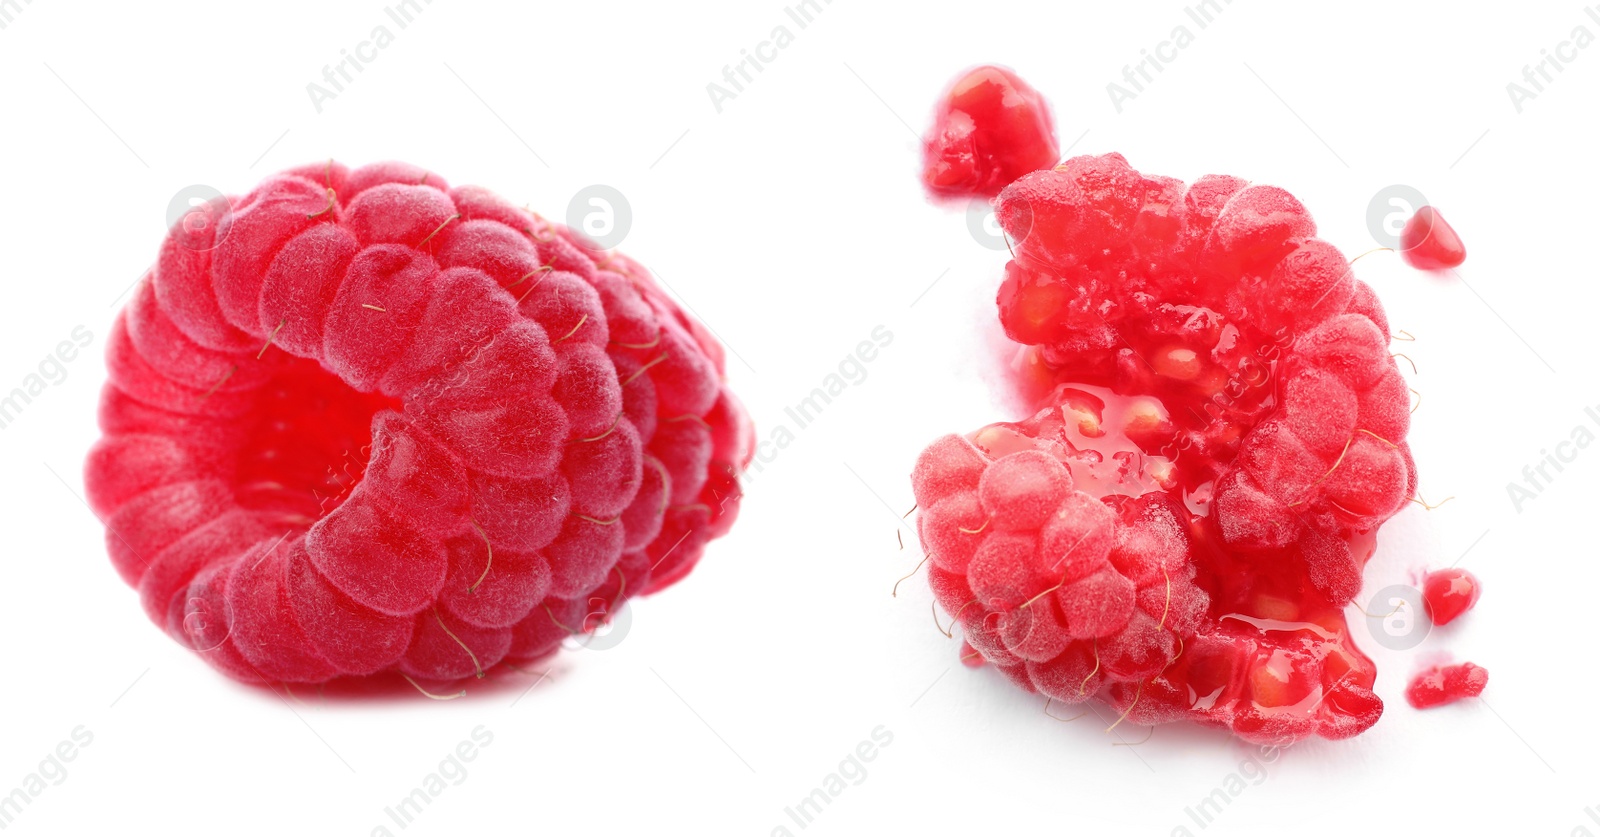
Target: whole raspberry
point(1179, 527)
point(369, 423)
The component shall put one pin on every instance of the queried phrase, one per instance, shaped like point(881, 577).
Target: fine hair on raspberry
point(1219, 433)
point(361, 422)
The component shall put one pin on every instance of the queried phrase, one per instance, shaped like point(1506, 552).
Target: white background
point(792, 223)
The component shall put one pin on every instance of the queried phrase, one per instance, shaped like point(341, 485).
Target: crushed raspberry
point(1178, 528)
point(1428, 242)
point(1442, 684)
point(1449, 593)
point(990, 128)
point(368, 423)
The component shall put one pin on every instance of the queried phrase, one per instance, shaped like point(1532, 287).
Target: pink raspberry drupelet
point(1428, 242)
point(1177, 530)
point(990, 129)
point(1445, 684)
point(361, 422)
point(1448, 593)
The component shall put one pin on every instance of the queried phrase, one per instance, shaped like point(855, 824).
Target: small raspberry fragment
point(1449, 593)
point(1428, 242)
point(362, 423)
point(1440, 685)
point(1178, 527)
point(990, 128)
